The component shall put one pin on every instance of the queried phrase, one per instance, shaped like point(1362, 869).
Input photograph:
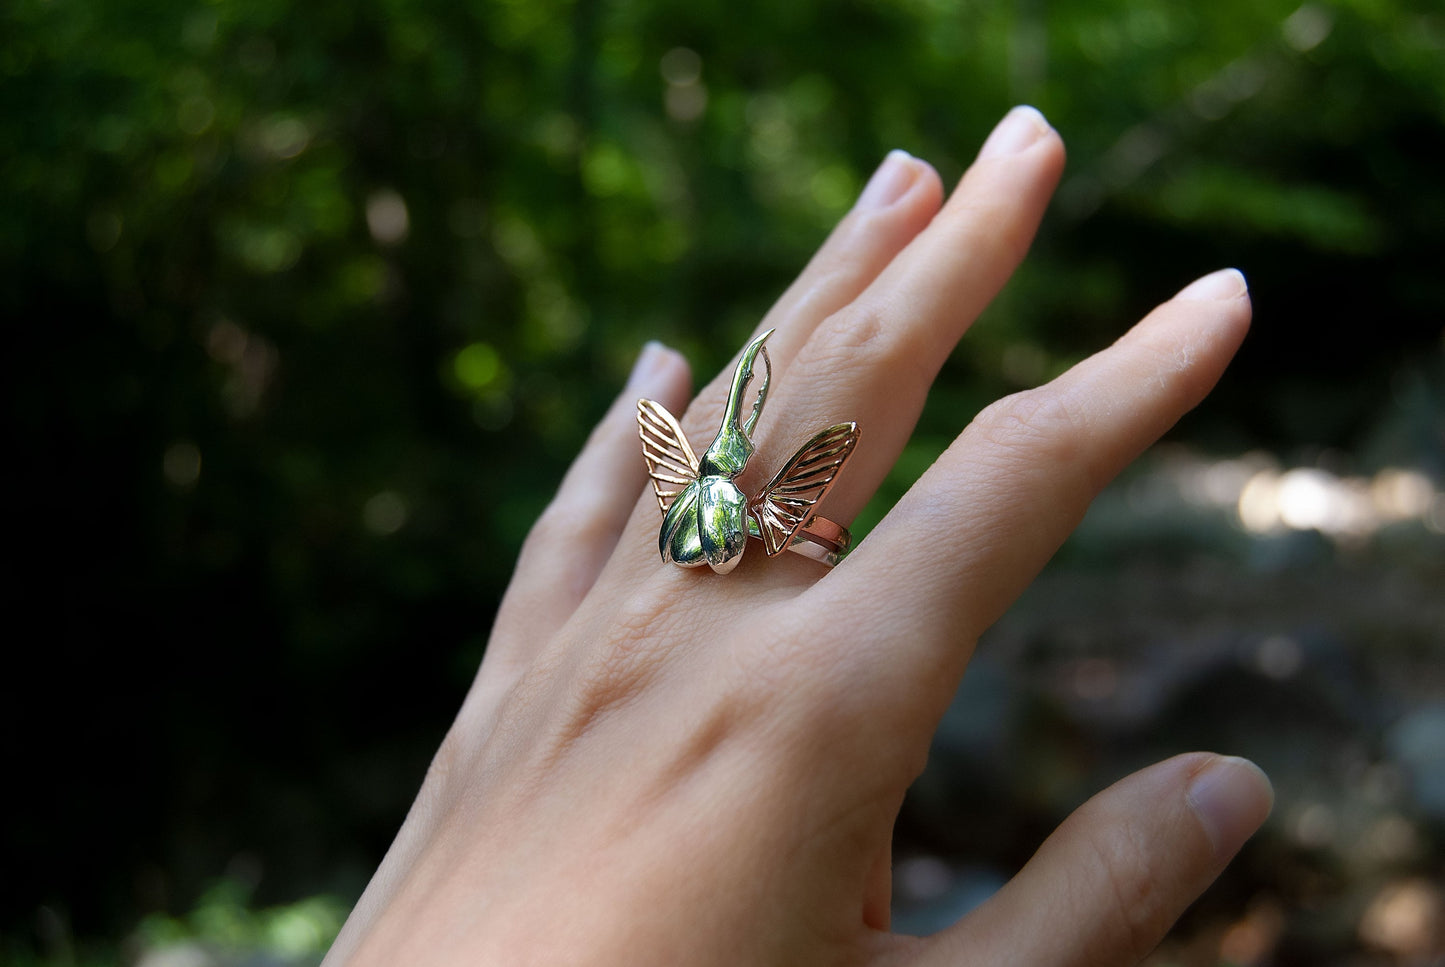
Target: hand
point(672, 767)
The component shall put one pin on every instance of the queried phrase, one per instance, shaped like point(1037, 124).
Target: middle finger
point(874, 360)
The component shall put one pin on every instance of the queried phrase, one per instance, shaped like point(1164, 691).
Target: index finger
point(982, 522)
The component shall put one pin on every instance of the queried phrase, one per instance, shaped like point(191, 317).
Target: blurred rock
point(1417, 743)
point(178, 955)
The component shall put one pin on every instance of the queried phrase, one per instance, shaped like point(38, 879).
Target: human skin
point(665, 766)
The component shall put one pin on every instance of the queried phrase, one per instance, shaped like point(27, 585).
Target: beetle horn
point(730, 450)
point(742, 377)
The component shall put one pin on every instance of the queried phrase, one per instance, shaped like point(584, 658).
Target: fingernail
point(890, 181)
point(1232, 797)
point(1215, 287)
point(1019, 128)
point(649, 363)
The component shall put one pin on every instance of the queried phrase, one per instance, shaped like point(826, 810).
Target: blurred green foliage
point(309, 304)
point(223, 929)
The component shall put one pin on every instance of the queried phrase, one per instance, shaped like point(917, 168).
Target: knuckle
point(866, 337)
point(567, 523)
point(1040, 426)
point(829, 274)
point(546, 530)
point(1029, 415)
point(621, 665)
point(441, 775)
point(859, 328)
point(1131, 890)
point(444, 762)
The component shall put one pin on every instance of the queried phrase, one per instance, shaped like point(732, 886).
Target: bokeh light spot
point(833, 188)
point(1307, 27)
point(477, 366)
point(1404, 919)
point(181, 464)
point(387, 217)
point(605, 170)
point(681, 65)
point(195, 114)
point(103, 229)
point(385, 513)
point(284, 136)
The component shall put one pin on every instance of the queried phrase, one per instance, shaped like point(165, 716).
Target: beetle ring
point(707, 519)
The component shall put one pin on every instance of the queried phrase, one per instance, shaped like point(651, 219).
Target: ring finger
point(898, 202)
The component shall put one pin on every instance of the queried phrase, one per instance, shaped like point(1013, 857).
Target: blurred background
point(308, 305)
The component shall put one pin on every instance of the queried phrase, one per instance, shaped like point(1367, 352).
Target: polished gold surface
point(670, 461)
point(785, 505)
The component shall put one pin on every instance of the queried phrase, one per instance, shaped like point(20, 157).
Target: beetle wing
point(784, 507)
point(670, 461)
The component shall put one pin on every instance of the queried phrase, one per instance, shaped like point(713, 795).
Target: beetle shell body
point(707, 524)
